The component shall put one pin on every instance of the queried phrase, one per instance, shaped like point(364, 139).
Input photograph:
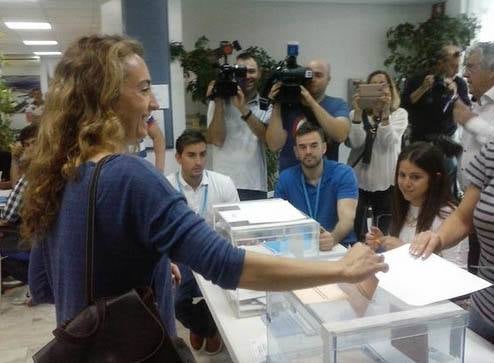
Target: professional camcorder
point(228, 75)
point(290, 75)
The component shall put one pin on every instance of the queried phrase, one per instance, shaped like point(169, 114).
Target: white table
point(239, 334)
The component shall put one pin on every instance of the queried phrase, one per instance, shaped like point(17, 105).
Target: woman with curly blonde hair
point(98, 104)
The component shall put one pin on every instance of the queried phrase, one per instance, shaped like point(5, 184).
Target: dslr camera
point(228, 75)
point(441, 85)
point(290, 75)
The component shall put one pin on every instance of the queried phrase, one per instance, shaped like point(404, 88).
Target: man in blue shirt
point(323, 189)
point(329, 113)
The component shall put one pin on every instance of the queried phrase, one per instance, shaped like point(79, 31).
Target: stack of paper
point(420, 282)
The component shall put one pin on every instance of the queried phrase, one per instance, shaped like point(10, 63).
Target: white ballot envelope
point(420, 282)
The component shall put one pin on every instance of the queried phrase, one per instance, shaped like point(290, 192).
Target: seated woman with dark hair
point(421, 202)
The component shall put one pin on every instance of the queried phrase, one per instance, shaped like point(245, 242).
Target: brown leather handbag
point(121, 329)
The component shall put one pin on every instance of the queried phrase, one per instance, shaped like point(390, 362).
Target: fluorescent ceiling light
point(40, 42)
point(47, 53)
point(26, 25)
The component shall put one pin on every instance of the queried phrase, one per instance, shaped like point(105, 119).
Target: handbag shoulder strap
point(90, 221)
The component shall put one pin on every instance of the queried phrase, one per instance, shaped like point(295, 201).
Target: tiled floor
point(23, 330)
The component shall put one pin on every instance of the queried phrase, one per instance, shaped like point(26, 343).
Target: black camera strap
point(370, 137)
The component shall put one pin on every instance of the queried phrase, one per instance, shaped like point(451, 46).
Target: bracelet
point(246, 116)
point(356, 122)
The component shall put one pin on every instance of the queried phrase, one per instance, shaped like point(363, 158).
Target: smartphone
point(369, 94)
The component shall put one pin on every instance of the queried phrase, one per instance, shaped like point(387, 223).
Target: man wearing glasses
point(478, 121)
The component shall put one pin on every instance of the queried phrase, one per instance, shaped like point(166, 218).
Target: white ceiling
point(69, 19)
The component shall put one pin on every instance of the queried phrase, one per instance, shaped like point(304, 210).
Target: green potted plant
point(413, 46)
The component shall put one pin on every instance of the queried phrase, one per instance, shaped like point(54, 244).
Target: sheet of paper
point(233, 215)
point(320, 294)
point(5, 192)
point(277, 210)
point(420, 282)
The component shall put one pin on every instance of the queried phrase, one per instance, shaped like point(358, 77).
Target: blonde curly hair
point(78, 122)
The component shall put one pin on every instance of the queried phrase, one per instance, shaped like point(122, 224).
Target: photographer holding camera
point(429, 101)
point(427, 98)
point(330, 113)
point(378, 124)
point(236, 130)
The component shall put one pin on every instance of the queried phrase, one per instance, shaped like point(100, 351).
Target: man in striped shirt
point(477, 207)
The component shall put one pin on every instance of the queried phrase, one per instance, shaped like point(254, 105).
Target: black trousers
point(9, 243)
point(195, 317)
point(17, 269)
point(380, 202)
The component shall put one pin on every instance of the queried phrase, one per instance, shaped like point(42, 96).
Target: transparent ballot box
point(271, 226)
point(348, 323)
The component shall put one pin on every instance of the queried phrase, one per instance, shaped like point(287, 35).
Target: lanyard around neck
point(204, 197)
point(306, 195)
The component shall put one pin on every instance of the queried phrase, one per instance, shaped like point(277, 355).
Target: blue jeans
point(480, 325)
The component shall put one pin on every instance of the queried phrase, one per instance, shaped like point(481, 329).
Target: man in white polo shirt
point(202, 189)
point(236, 132)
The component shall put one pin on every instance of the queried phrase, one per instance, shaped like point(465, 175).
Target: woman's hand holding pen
point(374, 238)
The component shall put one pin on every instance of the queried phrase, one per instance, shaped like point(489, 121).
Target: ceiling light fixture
point(47, 53)
point(27, 25)
point(40, 42)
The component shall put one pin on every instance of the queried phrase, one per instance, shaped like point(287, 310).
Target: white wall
point(20, 68)
point(176, 82)
point(484, 11)
point(351, 37)
point(456, 7)
point(111, 17)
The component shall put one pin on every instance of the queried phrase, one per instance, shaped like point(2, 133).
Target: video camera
point(228, 74)
point(291, 76)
